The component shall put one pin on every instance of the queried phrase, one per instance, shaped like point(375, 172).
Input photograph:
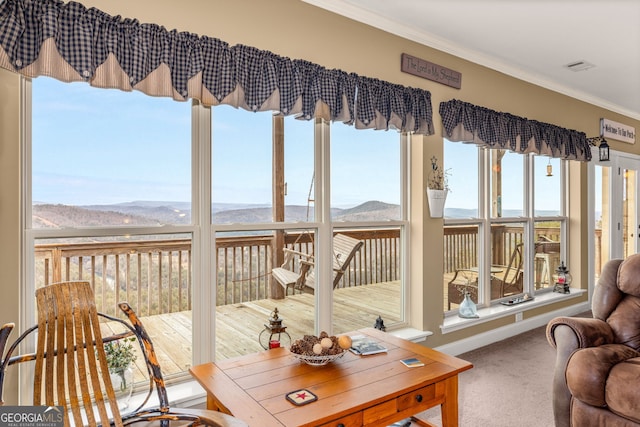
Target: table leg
point(449, 407)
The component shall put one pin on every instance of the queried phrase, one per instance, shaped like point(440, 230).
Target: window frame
point(203, 231)
point(485, 221)
point(30, 235)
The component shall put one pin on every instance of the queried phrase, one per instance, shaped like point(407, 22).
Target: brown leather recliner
point(597, 371)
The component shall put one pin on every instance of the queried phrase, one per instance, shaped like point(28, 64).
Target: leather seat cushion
point(622, 392)
point(588, 371)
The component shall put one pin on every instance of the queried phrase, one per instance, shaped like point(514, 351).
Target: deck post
point(278, 200)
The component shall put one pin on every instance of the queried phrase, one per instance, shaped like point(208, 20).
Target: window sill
point(454, 323)
point(182, 394)
point(411, 334)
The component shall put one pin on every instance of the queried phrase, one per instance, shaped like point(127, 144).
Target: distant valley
point(147, 213)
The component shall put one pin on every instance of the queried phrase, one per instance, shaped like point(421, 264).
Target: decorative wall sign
point(428, 70)
point(618, 131)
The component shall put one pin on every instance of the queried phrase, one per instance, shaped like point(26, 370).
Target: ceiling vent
point(579, 66)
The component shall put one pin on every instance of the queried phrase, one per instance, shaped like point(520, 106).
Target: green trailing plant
point(120, 355)
point(438, 177)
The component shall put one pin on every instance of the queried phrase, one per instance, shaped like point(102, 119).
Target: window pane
point(547, 252)
point(507, 189)
point(241, 166)
point(365, 174)
point(245, 302)
point(602, 218)
point(547, 201)
point(507, 260)
point(371, 283)
point(107, 158)
point(461, 163)
point(629, 212)
point(152, 273)
point(298, 169)
point(461, 244)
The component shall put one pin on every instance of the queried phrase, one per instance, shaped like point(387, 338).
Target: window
point(110, 203)
point(337, 234)
point(188, 225)
point(366, 204)
point(491, 242)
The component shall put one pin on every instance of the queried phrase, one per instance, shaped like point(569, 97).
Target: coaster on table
point(301, 397)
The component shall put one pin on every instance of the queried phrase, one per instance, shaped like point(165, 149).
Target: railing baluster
point(139, 284)
point(160, 284)
point(148, 283)
point(117, 280)
point(170, 280)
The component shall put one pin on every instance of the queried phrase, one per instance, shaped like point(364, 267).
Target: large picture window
point(110, 203)
point(185, 211)
point(491, 242)
point(344, 260)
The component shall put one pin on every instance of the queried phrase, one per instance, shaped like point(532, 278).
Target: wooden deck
point(238, 325)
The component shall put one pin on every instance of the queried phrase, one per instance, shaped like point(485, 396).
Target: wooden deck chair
point(71, 367)
point(505, 280)
point(344, 249)
point(510, 279)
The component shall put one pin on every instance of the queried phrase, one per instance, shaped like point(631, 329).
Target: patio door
point(626, 190)
point(615, 209)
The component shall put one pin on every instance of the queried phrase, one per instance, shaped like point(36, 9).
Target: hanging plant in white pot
point(437, 189)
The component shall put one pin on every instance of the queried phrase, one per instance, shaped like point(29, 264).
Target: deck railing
point(155, 275)
point(461, 244)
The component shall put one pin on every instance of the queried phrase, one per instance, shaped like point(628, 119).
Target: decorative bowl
point(317, 360)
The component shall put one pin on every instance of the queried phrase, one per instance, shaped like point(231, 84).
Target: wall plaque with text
point(428, 70)
point(619, 131)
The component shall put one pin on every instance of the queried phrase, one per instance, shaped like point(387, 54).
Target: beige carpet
point(509, 385)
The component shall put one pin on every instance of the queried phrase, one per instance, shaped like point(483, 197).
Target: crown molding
point(340, 7)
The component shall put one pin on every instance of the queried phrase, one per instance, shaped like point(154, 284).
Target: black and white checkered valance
point(462, 121)
point(69, 42)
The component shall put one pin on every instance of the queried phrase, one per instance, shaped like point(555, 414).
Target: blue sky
point(80, 155)
point(101, 146)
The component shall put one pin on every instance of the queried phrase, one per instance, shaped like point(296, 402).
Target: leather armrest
point(567, 334)
point(588, 332)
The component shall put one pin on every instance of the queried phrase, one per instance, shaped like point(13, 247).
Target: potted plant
point(437, 189)
point(120, 356)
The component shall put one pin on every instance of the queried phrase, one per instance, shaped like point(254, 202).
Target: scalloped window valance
point(470, 123)
point(69, 42)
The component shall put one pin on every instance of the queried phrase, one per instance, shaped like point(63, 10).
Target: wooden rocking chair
point(344, 249)
point(71, 368)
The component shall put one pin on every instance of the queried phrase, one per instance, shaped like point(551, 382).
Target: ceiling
point(533, 40)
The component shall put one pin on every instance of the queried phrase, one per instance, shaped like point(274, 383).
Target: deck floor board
point(239, 325)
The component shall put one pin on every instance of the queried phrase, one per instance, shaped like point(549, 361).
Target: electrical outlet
point(519, 317)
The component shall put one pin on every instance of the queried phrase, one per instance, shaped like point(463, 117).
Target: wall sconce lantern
point(549, 169)
point(563, 279)
point(273, 333)
point(603, 147)
point(603, 151)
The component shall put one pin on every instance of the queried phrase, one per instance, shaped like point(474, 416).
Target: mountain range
point(147, 213)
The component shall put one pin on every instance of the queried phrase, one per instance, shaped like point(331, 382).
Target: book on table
point(364, 345)
point(412, 362)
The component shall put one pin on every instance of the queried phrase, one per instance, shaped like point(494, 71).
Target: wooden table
point(374, 390)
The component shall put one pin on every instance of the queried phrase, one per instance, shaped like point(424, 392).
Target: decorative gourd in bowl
point(320, 350)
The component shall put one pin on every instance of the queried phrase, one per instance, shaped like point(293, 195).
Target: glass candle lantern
point(562, 279)
point(274, 335)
